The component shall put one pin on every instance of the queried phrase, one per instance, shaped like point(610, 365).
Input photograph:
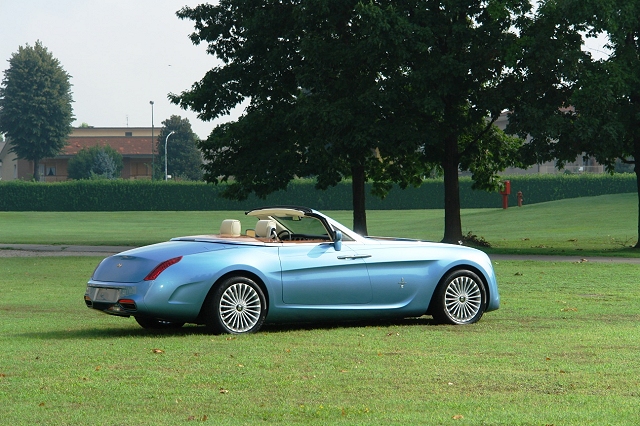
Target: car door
point(316, 274)
point(397, 271)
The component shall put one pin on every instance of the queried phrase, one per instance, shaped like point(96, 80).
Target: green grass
point(562, 350)
point(604, 225)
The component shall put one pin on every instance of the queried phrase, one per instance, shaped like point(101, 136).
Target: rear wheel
point(237, 306)
point(461, 298)
point(155, 324)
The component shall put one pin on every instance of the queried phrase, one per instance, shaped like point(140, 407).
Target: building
point(580, 165)
point(135, 144)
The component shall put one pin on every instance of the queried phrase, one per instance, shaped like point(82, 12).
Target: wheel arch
point(460, 267)
point(236, 273)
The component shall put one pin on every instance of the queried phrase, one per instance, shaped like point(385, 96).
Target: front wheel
point(238, 306)
point(461, 298)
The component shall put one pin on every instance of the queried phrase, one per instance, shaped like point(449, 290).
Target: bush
point(130, 195)
point(96, 162)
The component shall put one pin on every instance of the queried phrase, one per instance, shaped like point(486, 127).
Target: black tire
point(155, 324)
point(237, 306)
point(461, 298)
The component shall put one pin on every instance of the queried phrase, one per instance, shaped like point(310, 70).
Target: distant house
point(580, 165)
point(134, 143)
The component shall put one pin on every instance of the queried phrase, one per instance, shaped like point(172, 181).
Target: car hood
point(134, 265)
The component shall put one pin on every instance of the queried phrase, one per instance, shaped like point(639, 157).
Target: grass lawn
point(562, 350)
point(604, 225)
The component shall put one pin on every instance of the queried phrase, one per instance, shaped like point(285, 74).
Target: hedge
point(123, 195)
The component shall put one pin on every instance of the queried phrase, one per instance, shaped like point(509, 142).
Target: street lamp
point(165, 155)
point(152, 156)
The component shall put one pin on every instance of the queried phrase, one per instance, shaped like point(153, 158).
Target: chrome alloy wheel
point(463, 299)
point(240, 307)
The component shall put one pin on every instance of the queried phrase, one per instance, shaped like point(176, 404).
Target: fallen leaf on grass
point(223, 390)
point(458, 417)
point(569, 309)
point(518, 274)
point(157, 351)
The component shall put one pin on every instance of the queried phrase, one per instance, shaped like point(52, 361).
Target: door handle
point(355, 256)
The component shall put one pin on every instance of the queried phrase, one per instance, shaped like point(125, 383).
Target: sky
point(121, 54)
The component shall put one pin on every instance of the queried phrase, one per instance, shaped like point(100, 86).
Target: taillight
point(161, 267)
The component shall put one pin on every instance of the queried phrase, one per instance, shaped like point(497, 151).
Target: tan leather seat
point(230, 228)
point(265, 228)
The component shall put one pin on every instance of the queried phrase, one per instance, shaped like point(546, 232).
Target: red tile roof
point(124, 145)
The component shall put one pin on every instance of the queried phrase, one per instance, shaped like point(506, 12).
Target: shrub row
point(122, 195)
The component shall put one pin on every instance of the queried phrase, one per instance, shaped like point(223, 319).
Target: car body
point(295, 265)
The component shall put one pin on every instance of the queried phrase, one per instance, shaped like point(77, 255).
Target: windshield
point(302, 225)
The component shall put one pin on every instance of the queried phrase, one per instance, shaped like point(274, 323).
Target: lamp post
point(152, 156)
point(165, 155)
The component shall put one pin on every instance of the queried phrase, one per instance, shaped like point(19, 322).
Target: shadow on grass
point(621, 252)
point(192, 329)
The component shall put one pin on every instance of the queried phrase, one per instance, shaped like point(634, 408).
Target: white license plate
point(107, 295)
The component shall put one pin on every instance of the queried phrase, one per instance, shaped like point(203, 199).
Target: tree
point(35, 104)
point(590, 106)
point(312, 75)
point(607, 95)
point(184, 159)
point(96, 162)
point(455, 82)
point(383, 91)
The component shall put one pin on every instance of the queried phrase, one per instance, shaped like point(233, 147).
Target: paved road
point(25, 250)
point(28, 250)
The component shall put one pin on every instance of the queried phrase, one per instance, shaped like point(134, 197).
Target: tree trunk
point(36, 177)
point(452, 223)
point(636, 157)
point(358, 194)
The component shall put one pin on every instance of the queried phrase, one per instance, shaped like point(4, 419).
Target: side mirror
point(337, 242)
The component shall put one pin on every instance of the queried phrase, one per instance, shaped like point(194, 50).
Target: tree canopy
point(184, 160)
point(35, 104)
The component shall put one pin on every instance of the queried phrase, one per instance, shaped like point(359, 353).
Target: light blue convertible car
point(295, 265)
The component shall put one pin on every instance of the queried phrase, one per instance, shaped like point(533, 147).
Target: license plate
point(107, 295)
